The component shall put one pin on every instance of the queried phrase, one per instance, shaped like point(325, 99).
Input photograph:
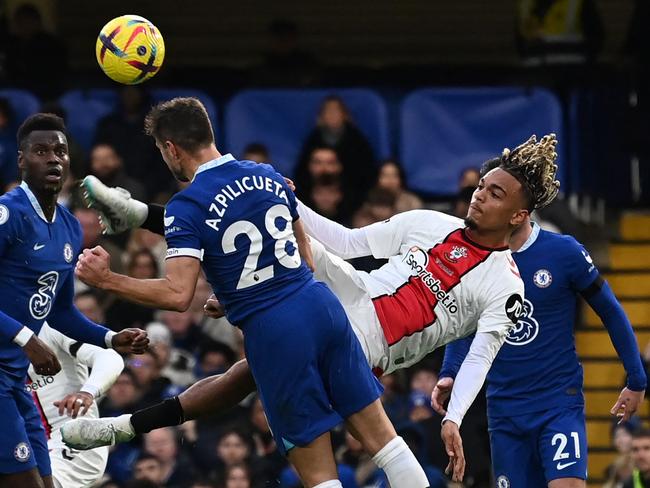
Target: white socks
point(329, 484)
point(400, 465)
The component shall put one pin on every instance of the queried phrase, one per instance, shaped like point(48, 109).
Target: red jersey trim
point(41, 411)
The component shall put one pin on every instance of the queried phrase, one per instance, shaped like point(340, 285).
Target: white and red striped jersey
point(75, 359)
point(438, 285)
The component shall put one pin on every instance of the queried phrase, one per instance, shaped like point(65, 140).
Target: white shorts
point(75, 469)
point(349, 288)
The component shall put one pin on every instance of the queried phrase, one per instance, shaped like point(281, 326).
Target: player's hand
point(290, 183)
point(213, 308)
point(628, 402)
point(93, 267)
point(130, 341)
point(440, 395)
point(41, 356)
point(450, 434)
point(75, 404)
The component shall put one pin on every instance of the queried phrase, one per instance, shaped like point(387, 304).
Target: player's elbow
point(180, 302)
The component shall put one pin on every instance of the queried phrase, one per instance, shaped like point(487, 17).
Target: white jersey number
point(561, 454)
point(250, 275)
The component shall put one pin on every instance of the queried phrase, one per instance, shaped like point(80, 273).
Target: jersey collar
point(226, 158)
point(35, 204)
point(531, 238)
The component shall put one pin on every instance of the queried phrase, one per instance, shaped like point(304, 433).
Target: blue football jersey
point(237, 217)
point(538, 368)
point(37, 259)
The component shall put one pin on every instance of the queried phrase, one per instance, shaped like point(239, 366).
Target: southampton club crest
point(456, 253)
point(526, 329)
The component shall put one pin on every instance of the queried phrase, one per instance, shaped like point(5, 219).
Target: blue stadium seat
point(445, 130)
point(282, 119)
point(23, 103)
point(85, 108)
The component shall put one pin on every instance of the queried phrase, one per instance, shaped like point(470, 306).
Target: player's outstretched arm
point(455, 353)
point(173, 292)
point(601, 299)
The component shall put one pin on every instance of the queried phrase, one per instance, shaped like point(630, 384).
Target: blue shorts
point(528, 451)
point(23, 443)
point(308, 365)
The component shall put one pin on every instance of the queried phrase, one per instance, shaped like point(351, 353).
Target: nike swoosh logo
point(38, 246)
point(168, 221)
point(561, 466)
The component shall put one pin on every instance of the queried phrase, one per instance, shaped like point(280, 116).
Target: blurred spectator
point(108, 166)
point(396, 402)
point(469, 178)
point(185, 333)
point(144, 239)
point(123, 313)
point(36, 60)
point(391, 178)
point(286, 63)
point(176, 364)
point(8, 145)
point(237, 476)
point(463, 199)
point(88, 304)
point(150, 382)
point(641, 457)
point(176, 467)
point(265, 446)
point(327, 197)
point(322, 162)
point(219, 330)
point(336, 130)
point(420, 406)
point(352, 455)
point(379, 205)
point(122, 397)
point(234, 447)
point(558, 31)
point(424, 379)
point(148, 467)
point(622, 467)
point(256, 152)
point(142, 161)
point(214, 358)
point(92, 236)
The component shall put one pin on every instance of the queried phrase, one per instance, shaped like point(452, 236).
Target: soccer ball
point(130, 49)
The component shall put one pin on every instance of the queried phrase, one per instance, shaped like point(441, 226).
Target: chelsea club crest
point(67, 252)
point(542, 278)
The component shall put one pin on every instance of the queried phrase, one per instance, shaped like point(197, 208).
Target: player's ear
point(21, 161)
point(519, 217)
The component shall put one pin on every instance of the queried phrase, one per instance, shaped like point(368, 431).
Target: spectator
point(323, 162)
point(234, 447)
point(379, 205)
point(123, 313)
point(463, 199)
point(214, 358)
point(352, 455)
point(92, 236)
point(219, 330)
point(265, 446)
point(336, 130)
point(123, 130)
point(88, 304)
point(391, 178)
point(148, 467)
point(107, 165)
point(424, 380)
point(623, 466)
point(151, 384)
point(237, 476)
point(256, 152)
point(176, 364)
point(176, 467)
point(36, 60)
point(185, 333)
point(122, 397)
point(327, 197)
point(641, 457)
point(8, 147)
point(143, 239)
point(395, 401)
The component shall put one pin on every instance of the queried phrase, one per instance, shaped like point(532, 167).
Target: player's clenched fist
point(93, 266)
point(134, 341)
point(41, 357)
point(213, 308)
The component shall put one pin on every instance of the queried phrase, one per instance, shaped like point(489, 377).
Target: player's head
point(515, 184)
point(641, 450)
point(181, 128)
point(43, 157)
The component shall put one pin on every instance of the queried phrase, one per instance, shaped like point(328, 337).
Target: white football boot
point(118, 212)
point(84, 434)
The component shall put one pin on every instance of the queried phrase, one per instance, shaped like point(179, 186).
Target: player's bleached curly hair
point(533, 164)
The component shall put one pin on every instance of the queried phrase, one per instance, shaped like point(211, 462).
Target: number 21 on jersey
point(250, 275)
